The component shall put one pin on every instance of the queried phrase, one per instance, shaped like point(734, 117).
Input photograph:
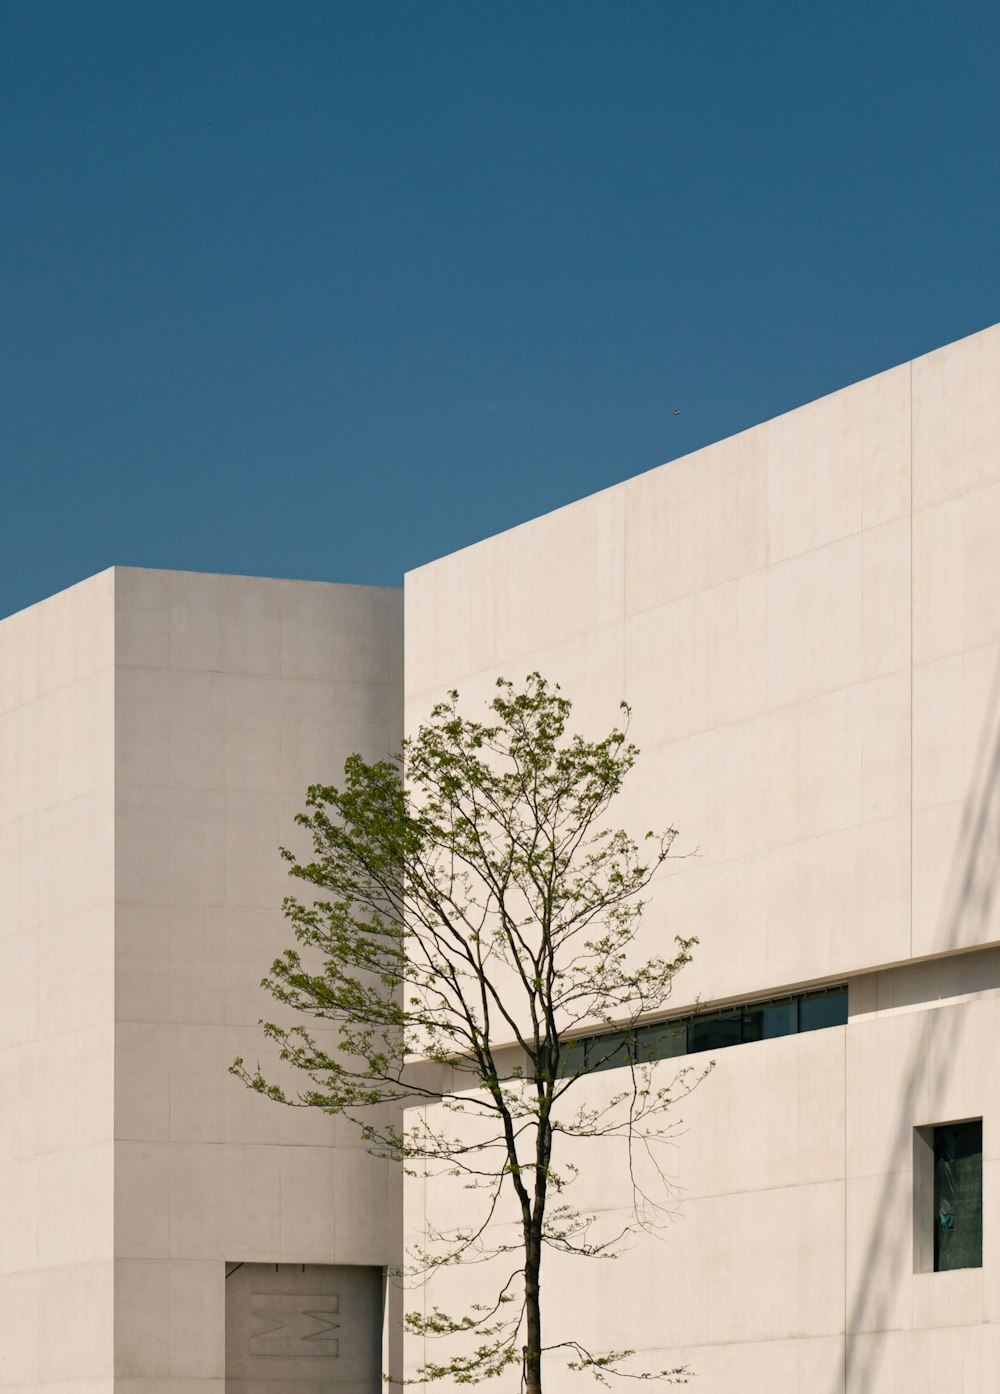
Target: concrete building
point(806, 621)
point(157, 732)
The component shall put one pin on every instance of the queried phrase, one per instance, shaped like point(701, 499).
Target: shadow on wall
point(966, 909)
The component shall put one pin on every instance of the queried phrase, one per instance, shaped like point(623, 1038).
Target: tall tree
point(482, 917)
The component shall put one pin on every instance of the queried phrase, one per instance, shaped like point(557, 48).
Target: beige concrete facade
point(158, 731)
point(806, 621)
point(57, 1014)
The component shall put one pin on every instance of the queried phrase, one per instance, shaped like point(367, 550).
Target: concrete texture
point(311, 1329)
point(57, 1006)
point(804, 619)
point(158, 733)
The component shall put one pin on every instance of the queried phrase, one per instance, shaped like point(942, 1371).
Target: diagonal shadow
point(967, 904)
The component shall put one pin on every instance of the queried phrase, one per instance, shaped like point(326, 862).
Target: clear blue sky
point(329, 289)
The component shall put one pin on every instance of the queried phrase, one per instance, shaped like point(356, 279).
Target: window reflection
point(710, 1030)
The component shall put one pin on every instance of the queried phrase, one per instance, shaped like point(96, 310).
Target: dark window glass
point(715, 1032)
point(711, 1031)
point(958, 1196)
point(571, 1057)
point(608, 1052)
point(662, 1042)
point(825, 1009)
point(640, 1046)
point(770, 1019)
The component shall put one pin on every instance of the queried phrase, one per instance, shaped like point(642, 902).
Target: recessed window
point(765, 1021)
point(711, 1030)
point(958, 1196)
point(948, 1196)
point(716, 1032)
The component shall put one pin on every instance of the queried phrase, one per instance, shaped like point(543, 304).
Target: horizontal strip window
point(739, 1025)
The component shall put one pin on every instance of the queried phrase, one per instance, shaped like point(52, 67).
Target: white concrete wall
point(793, 1213)
point(57, 1007)
point(751, 602)
point(157, 734)
point(232, 695)
point(805, 621)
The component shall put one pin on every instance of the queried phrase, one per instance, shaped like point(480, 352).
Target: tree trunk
point(533, 1313)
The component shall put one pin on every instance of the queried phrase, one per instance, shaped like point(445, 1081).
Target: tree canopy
point(465, 926)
